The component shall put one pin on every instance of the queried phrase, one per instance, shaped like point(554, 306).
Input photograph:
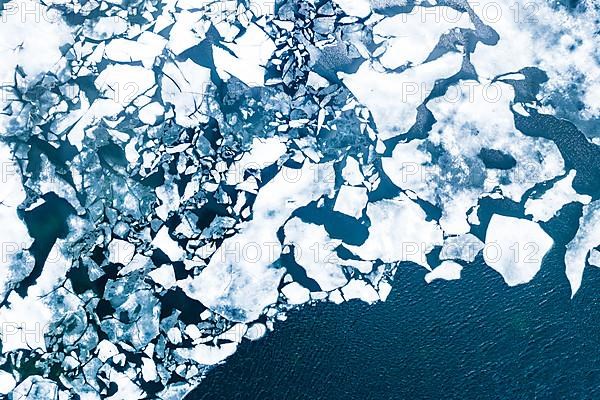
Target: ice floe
point(515, 248)
point(586, 238)
point(351, 201)
point(447, 270)
point(550, 202)
point(399, 231)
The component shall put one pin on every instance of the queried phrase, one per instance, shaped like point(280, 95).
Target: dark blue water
point(475, 338)
point(469, 339)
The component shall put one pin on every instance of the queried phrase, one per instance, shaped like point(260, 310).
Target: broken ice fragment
point(515, 248)
point(586, 238)
point(447, 270)
point(170, 247)
point(295, 293)
point(351, 201)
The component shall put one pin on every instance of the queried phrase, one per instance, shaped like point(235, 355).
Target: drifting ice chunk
point(7, 382)
point(19, 41)
point(187, 32)
point(359, 289)
point(106, 350)
point(587, 237)
point(351, 201)
point(263, 153)
point(151, 113)
point(255, 331)
point(252, 52)
point(170, 247)
point(145, 49)
point(206, 354)
point(124, 83)
point(384, 290)
point(14, 236)
point(423, 25)
point(149, 373)
point(515, 248)
point(355, 8)
point(120, 251)
point(164, 276)
point(351, 172)
point(561, 193)
point(295, 293)
point(374, 89)
point(448, 270)
point(184, 84)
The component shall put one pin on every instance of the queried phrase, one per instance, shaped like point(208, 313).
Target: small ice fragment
point(359, 289)
point(170, 247)
point(295, 293)
point(120, 251)
point(447, 270)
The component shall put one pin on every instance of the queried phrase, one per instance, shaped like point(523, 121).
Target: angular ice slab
point(587, 237)
point(515, 248)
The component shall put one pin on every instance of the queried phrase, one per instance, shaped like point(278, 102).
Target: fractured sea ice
point(228, 167)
